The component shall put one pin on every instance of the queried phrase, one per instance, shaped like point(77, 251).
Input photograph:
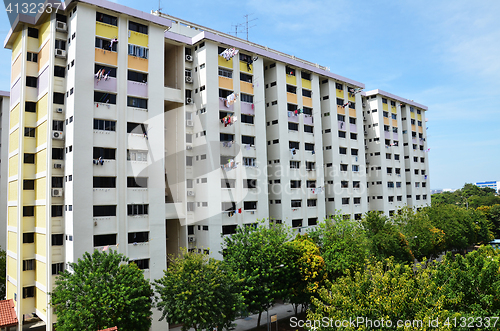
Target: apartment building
point(143, 133)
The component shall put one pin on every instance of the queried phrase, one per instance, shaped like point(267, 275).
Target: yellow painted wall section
point(40, 187)
point(340, 110)
point(137, 63)
point(420, 129)
point(351, 97)
point(352, 112)
point(138, 38)
point(16, 69)
point(44, 32)
point(13, 164)
point(40, 220)
point(41, 134)
point(291, 98)
point(29, 119)
point(43, 56)
point(394, 123)
point(11, 267)
point(106, 30)
point(246, 87)
point(14, 141)
point(13, 190)
point(41, 161)
point(419, 117)
point(386, 121)
point(41, 270)
point(106, 57)
point(412, 115)
point(41, 108)
point(224, 63)
point(41, 300)
point(413, 128)
point(11, 289)
point(12, 216)
point(40, 246)
point(307, 102)
point(244, 68)
point(291, 80)
point(12, 241)
point(385, 106)
point(339, 94)
point(16, 47)
point(306, 84)
point(14, 116)
point(226, 83)
point(394, 110)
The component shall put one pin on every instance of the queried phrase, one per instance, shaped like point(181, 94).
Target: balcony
point(340, 110)
point(353, 128)
point(104, 138)
point(247, 108)
point(222, 105)
point(246, 87)
point(307, 102)
point(395, 136)
point(108, 85)
point(138, 63)
point(137, 168)
point(291, 98)
point(352, 112)
point(223, 63)
point(106, 57)
point(138, 223)
point(308, 119)
point(306, 84)
point(104, 196)
point(105, 225)
point(138, 250)
point(106, 30)
point(137, 195)
point(226, 83)
point(173, 94)
point(105, 111)
point(291, 80)
point(137, 89)
point(339, 93)
point(341, 125)
point(108, 168)
point(244, 68)
point(137, 141)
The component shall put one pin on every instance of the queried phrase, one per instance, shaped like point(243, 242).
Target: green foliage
point(384, 238)
point(256, 254)
point(470, 196)
point(492, 213)
point(102, 292)
point(342, 244)
point(3, 273)
point(306, 270)
point(199, 292)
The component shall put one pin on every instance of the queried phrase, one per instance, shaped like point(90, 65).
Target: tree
point(257, 255)
point(101, 292)
point(492, 213)
point(306, 270)
point(199, 292)
point(384, 238)
point(3, 273)
point(342, 244)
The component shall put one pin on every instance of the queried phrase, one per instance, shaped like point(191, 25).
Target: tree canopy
point(102, 291)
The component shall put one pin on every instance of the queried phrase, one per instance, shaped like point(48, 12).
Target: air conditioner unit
point(189, 58)
point(57, 192)
point(189, 79)
point(191, 239)
point(59, 110)
point(61, 26)
point(190, 193)
point(189, 147)
point(58, 165)
point(61, 53)
point(189, 123)
point(57, 134)
point(189, 101)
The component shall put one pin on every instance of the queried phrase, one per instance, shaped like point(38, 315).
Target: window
point(137, 27)
point(293, 144)
point(344, 184)
point(249, 161)
point(104, 125)
point(295, 184)
point(339, 86)
point(343, 150)
point(228, 229)
point(247, 119)
point(352, 120)
point(138, 237)
point(343, 167)
point(29, 265)
point(309, 147)
point(57, 239)
point(137, 182)
point(104, 211)
point(248, 140)
point(137, 102)
point(225, 73)
point(105, 182)
point(105, 44)
point(32, 57)
point(250, 205)
point(250, 183)
point(104, 240)
point(57, 182)
point(246, 98)
point(104, 153)
point(294, 164)
point(138, 51)
point(390, 184)
point(342, 134)
point(105, 97)
point(354, 136)
point(311, 202)
point(354, 151)
point(58, 125)
point(142, 264)
point(308, 128)
point(29, 292)
point(345, 201)
point(357, 201)
point(137, 128)
point(312, 221)
point(227, 183)
point(296, 203)
point(28, 211)
point(290, 71)
point(306, 93)
point(104, 18)
point(245, 78)
point(59, 98)
point(135, 155)
point(28, 238)
point(57, 268)
point(228, 206)
point(32, 32)
point(137, 76)
point(31, 81)
point(384, 100)
point(356, 184)
point(59, 71)
point(56, 211)
point(28, 184)
point(29, 158)
point(355, 168)
point(137, 210)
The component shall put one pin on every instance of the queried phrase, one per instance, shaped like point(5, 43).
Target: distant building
point(493, 184)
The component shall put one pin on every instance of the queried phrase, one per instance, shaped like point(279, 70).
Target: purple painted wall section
point(342, 125)
point(246, 108)
point(387, 135)
point(293, 119)
point(414, 140)
point(421, 141)
point(15, 92)
point(308, 119)
point(43, 82)
point(395, 136)
point(137, 89)
point(353, 128)
point(222, 106)
point(105, 85)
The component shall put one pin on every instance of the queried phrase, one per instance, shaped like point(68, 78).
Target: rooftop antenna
point(248, 21)
point(159, 6)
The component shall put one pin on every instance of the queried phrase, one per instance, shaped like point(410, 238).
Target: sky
point(442, 54)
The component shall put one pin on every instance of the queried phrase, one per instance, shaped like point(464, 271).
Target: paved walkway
point(250, 322)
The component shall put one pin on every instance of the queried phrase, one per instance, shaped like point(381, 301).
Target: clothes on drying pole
point(229, 53)
point(112, 42)
point(341, 125)
point(252, 106)
point(313, 152)
point(425, 177)
point(239, 210)
point(230, 99)
point(247, 147)
point(346, 104)
point(255, 58)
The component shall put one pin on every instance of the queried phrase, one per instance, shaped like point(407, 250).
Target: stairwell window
point(31, 81)
point(32, 32)
point(32, 57)
point(138, 51)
